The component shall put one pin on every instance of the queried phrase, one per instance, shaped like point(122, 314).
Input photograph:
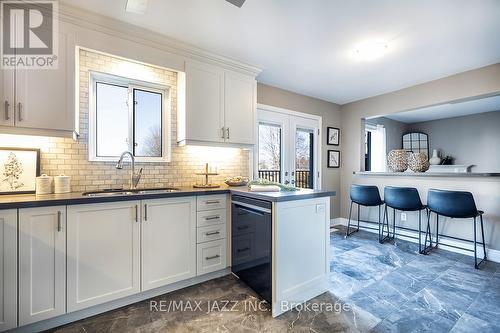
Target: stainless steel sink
point(107, 193)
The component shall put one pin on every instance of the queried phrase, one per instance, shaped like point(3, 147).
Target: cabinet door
point(8, 269)
point(204, 102)
point(103, 252)
point(42, 263)
point(45, 97)
point(239, 110)
point(7, 97)
point(168, 241)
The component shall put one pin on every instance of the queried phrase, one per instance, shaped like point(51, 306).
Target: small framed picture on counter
point(19, 168)
point(332, 136)
point(333, 159)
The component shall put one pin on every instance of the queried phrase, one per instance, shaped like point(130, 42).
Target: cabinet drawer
point(211, 256)
point(209, 202)
point(210, 217)
point(210, 233)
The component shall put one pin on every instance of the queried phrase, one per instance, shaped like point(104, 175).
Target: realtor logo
point(29, 34)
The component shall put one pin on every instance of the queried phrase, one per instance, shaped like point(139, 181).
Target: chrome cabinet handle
point(287, 182)
point(243, 228)
point(136, 213)
point(145, 212)
point(59, 226)
point(19, 112)
point(212, 233)
point(7, 110)
point(214, 217)
point(212, 202)
point(212, 257)
point(227, 133)
point(223, 129)
point(293, 181)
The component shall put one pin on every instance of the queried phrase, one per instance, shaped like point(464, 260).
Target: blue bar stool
point(454, 204)
point(405, 199)
point(364, 195)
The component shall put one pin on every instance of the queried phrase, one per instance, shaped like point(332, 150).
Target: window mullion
point(131, 122)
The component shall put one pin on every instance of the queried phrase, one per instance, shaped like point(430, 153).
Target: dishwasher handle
point(251, 208)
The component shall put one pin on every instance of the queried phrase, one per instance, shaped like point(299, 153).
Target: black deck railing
point(271, 175)
point(302, 177)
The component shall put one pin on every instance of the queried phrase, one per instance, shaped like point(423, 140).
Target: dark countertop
point(76, 198)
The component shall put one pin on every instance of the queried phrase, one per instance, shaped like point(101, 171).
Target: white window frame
point(164, 90)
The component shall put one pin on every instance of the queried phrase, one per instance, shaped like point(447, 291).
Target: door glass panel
point(304, 158)
point(270, 152)
point(147, 123)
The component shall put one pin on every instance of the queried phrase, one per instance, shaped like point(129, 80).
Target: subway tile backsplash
point(63, 155)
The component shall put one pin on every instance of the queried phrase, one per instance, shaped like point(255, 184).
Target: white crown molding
point(120, 29)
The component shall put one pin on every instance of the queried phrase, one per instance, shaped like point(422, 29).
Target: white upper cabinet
point(7, 97)
point(204, 116)
point(42, 263)
point(42, 99)
point(239, 108)
point(45, 97)
point(168, 241)
point(103, 253)
point(220, 106)
point(8, 269)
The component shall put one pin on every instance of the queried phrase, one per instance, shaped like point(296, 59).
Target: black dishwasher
point(251, 249)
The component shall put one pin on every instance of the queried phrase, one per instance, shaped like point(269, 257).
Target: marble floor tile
point(445, 300)
point(468, 323)
point(382, 291)
point(409, 319)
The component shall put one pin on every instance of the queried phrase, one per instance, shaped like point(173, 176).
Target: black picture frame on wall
point(332, 136)
point(333, 159)
point(19, 168)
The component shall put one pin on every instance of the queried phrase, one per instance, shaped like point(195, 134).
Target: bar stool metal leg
point(419, 231)
point(358, 218)
point(393, 223)
point(482, 234)
point(437, 230)
point(428, 234)
point(349, 221)
point(475, 247)
point(384, 220)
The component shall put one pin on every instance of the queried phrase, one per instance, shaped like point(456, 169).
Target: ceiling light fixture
point(372, 50)
point(136, 6)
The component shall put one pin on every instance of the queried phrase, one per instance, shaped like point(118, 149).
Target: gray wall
point(471, 140)
point(331, 117)
point(477, 82)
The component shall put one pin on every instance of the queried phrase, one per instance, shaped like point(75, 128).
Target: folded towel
point(264, 188)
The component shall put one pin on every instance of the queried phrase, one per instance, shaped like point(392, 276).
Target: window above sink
point(128, 115)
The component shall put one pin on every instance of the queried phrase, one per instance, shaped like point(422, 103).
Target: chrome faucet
point(134, 177)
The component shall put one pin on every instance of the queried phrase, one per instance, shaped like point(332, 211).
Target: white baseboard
point(445, 244)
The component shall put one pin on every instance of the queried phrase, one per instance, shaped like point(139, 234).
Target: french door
point(287, 148)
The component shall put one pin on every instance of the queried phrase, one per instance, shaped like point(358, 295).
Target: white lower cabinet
point(42, 263)
point(211, 256)
point(168, 241)
point(8, 269)
point(103, 253)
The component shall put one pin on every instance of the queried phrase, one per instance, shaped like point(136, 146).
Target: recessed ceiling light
point(136, 6)
point(371, 50)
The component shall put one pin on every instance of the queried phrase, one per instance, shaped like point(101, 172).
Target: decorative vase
point(397, 160)
point(418, 162)
point(435, 160)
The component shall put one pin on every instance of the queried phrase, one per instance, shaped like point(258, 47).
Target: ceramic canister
point(62, 184)
point(43, 184)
